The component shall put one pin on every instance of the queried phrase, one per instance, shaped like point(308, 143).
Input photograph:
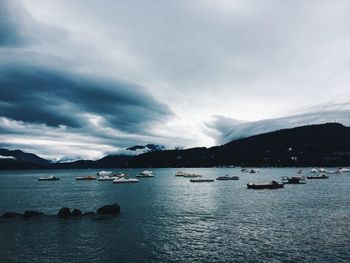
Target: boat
point(314, 170)
point(49, 178)
point(85, 178)
point(115, 176)
point(106, 178)
point(201, 180)
point(294, 180)
point(227, 178)
point(123, 180)
point(145, 174)
point(180, 173)
point(333, 172)
point(102, 173)
point(344, 170)
point(300, 172)
point(192, 175)
point(322, 176)
point(244, 170)
point(322, 170)
point(271, 185)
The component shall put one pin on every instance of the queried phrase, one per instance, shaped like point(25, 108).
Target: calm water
point(169, 219)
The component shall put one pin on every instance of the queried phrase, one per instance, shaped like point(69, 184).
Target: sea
point(170, 219)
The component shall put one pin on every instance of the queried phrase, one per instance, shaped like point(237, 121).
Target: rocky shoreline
point(106, 211)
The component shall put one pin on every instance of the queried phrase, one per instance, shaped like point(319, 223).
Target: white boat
point(253, 171)
point(344, 170)
point(48, 178)
point(180, 173)
point(187, 175)
point(333, 172)
point(106, 178)
point(123, 180)
point(118, 175)
point(314, 170)
point(145, 174)
point(322, 170)
point(102, 173)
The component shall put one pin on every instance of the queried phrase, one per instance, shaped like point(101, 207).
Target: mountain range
point(313, 145)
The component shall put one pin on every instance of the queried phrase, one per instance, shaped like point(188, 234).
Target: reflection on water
point(169, 219)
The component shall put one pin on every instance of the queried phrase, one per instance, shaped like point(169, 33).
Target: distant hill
point(314, 145)
point(17, 159)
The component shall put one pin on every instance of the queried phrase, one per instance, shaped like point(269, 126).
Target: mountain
point(20, 160)
point(314, 145)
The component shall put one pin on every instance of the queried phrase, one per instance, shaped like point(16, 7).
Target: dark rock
point(32, 213)
point(109, 210)
point(10, 215)
point(64, 212)
point(89, 213)
point(76, 212)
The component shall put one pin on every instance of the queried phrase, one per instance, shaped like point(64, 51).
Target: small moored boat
point(294, 180)
point(271, 185)
point(322, 176)
point(227, 178)
point(180, 173)
point(48, 178)
point(192, 175)
point(145, 174)
point(105, 178)
point(123, 180)
point(103, 173)
point(85, 178)
point(201, 180)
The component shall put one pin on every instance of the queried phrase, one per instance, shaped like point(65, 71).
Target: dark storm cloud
point(227, 129)
point(39, 95)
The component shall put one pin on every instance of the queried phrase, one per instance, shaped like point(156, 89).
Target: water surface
point(169, 219)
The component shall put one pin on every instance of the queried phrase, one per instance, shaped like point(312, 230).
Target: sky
point(86, 78)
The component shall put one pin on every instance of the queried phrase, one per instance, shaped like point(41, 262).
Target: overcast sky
point(86, 78)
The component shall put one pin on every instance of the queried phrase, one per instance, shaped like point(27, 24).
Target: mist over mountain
point(313, 145)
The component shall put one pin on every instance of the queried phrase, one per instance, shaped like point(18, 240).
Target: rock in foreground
point(76, 213)
point(64, 212)
point(10, 215)
point(113, 209)
point(32, 213)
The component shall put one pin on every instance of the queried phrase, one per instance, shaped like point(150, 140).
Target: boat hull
point(48, 179)
point(201, 180)
point(264, 186)
point(317, 177)
point(85, 178)
point(230, 178)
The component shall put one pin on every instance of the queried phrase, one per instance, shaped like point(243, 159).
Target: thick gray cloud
point(41, 95)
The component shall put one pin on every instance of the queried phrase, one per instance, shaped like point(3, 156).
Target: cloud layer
point(87, 78)
point(227, 129)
